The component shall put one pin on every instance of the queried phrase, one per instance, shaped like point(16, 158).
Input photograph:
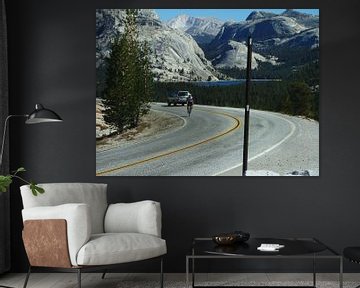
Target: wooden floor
point(116, 280)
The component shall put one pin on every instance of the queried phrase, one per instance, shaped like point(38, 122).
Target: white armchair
point(72, 228)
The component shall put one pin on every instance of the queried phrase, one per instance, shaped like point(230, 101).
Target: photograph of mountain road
point(171, 87)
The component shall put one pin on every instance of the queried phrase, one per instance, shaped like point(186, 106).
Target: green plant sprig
point(6, 180)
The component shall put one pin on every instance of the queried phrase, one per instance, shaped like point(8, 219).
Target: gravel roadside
point(298, 155)
point(153, 123)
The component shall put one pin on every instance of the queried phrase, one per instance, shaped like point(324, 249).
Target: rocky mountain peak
point(258, 15)
point(307, 20)
point(180, 22)
point(202, 29)
point(175, 56)
point(270, 32)
point(294, 14)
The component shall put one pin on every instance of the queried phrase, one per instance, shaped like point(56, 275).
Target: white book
point(270, 247)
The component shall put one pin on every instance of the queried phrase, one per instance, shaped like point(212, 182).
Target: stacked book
point(270, 247)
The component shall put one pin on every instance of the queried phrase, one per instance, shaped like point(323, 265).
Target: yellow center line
point(171, 152)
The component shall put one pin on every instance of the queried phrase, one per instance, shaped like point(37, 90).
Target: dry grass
point(151, 124)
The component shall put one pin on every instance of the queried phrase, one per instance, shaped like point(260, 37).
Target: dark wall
point(52, 61)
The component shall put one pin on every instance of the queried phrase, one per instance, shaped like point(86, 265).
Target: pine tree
point(146, 80)
point(301, 99)
point(129, 81)
point(114, 100)
point(286, 105)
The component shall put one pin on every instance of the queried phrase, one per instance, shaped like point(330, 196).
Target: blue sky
point(222, 14)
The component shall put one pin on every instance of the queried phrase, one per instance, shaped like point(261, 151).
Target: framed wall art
point(172, 85)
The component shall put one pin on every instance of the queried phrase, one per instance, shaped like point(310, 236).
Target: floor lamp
point(39, 115)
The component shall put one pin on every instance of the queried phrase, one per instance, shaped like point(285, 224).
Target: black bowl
point(241, 236)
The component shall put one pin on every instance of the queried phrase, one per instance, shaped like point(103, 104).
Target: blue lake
point(230, 82)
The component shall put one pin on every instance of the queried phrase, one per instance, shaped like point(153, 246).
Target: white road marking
point(170, 152)
point(293, 128)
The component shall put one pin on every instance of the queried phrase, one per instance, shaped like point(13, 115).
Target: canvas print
point(207, 92)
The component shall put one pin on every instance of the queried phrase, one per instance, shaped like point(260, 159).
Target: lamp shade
point(42, 115)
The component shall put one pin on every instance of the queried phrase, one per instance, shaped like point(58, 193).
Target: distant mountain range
point(175, 54)
point(269, 32)
point(203, 30)
point(190, 48)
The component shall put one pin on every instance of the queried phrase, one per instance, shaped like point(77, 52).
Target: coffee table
point(294, 248)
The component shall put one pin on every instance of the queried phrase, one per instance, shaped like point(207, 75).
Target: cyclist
point(189, 103)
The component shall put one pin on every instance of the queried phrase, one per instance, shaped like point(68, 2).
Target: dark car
point(179, 98)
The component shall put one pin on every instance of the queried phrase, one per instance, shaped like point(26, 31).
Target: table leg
point(341, 273)
point(187, 272)
point(193, 267)
point(314, 271)
point(193, 272)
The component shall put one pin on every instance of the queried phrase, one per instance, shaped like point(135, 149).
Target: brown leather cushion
point(46, 243)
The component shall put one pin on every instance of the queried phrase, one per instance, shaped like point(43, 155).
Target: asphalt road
point(209, 143)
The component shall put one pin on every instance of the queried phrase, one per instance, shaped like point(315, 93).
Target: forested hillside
point(289, 97)
point(296, 94)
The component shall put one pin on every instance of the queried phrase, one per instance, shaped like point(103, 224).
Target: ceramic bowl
point(225, 239)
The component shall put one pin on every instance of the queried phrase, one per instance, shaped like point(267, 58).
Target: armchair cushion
point(138, 217)
point(78, 221)
point(113, 248)
point(92, 194)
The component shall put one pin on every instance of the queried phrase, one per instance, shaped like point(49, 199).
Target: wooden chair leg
point(27, 277)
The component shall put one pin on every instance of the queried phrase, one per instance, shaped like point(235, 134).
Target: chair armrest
point(52, 250)
point(138, 217)
point(78, 223)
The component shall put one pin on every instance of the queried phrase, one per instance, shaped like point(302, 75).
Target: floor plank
point(114, 280)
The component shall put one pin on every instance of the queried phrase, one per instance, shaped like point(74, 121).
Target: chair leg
point(161, 273)
point(79, 277)
point(103, 275)
point(27, 277)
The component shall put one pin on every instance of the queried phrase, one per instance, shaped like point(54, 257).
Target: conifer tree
point(146, 80)
point(301, 99)
point(128, 85)
point(115, 102)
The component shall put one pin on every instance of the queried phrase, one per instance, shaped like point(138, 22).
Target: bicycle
point(189, 109)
